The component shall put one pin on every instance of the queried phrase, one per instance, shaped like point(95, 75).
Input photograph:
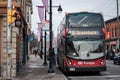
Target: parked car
point(116, 59)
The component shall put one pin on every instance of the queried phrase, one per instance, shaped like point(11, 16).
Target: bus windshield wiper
point(82, 19)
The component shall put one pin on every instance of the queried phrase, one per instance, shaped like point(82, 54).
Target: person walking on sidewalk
point(35, 51)
point(41, 54)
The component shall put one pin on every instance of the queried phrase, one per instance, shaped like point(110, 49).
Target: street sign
point(45, 26)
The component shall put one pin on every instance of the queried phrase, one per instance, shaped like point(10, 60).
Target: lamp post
point(41, 51)
point(51, 54)
point(45, 61)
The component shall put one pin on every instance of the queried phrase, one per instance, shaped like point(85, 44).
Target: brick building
point(20, 44)
point(113, 27)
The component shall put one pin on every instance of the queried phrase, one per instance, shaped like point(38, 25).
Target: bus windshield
point(85, 20)
point(87, 49)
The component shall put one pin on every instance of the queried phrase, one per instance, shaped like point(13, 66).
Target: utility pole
point(9, 42)
point(118, 42)
point(117, 11)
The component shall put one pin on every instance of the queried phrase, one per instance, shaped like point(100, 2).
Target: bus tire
point(64, 69)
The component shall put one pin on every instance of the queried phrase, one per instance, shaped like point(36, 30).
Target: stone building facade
point(20, 44)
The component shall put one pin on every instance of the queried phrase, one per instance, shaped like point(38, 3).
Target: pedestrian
point(117, 52)
point(111, 54)
point(41, 55)
point(54, 58)
point(35, 51)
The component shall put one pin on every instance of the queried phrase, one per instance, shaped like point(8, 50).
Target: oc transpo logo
point(85, 62)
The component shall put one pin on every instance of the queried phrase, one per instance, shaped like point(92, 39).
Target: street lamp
point(41, 52)
point(45, 61)
point(51, 53)
point(59, 9)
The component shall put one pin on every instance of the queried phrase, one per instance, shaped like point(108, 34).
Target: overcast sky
point(106, 7)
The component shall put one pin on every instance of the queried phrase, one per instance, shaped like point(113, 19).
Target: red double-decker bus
point(80, 42)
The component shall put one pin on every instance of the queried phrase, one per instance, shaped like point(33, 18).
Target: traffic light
point(11, 16)
point(18, 21)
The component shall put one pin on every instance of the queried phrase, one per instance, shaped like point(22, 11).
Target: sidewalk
point(34, 70)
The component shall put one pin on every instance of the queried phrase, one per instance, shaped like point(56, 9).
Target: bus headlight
point(69, 61)
point(102, 61)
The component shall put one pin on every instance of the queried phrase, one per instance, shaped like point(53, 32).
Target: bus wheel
point(64, 68)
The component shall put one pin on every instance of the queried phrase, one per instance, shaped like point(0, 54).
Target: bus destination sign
point(85, 32)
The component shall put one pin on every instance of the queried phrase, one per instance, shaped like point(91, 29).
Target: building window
point(108, 29)
point(112, 32)
point(28, 14)
point(115, 31)
point(118, 34)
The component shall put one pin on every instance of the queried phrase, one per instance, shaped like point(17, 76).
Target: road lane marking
point(108, 76)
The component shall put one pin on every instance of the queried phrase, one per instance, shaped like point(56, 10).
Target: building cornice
point(4, 4)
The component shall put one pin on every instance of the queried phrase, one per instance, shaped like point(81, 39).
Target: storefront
point(112, 44)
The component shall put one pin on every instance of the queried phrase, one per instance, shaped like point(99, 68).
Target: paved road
point(112, 73)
